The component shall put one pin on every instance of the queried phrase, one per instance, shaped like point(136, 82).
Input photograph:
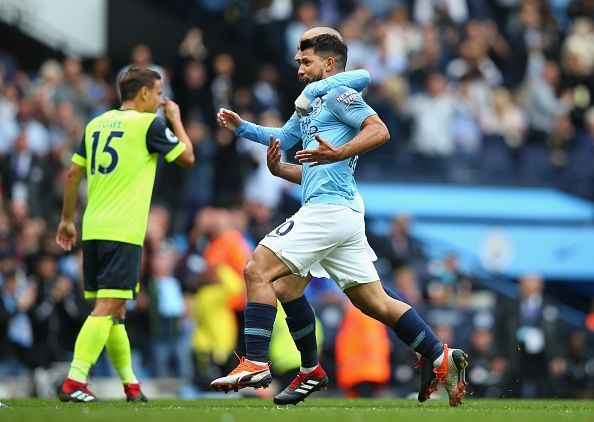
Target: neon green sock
point(118, 347)
point(89, 344)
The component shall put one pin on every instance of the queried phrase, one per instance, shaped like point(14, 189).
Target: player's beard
point(316, 78)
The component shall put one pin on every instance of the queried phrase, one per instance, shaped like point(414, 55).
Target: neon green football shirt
point(119, 150)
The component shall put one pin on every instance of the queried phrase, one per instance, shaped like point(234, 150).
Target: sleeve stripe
point(79, 159)
point(175, 152)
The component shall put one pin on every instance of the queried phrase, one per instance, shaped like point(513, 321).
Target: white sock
point(307, 370)
point(437, 362)
point(258, 363)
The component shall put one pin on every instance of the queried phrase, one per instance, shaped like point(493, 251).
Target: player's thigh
point(265, 266)
point(290, 287)
point(118, 273)
point(110, 306)
point(308, 236)
point(351, 262)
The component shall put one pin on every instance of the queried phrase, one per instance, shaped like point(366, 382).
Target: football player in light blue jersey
point(326, 236)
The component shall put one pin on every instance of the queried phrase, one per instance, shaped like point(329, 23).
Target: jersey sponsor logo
point(347, 97)
point(170, 136)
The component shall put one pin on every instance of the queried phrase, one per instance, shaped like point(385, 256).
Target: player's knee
point(252, 273)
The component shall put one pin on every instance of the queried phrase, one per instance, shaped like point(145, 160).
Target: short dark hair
point(327, 45)
point(134, 79)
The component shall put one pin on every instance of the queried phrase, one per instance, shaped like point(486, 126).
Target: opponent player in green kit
point(118, 154)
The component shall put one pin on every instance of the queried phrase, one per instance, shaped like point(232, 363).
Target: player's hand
point(273, 156)
point(325, 153)
point(66, 235)
point(303, 105)
point(171, 110)
point(229, 119)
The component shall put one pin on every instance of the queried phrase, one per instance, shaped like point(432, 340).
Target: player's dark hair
point(327, 45)
point(134, 79)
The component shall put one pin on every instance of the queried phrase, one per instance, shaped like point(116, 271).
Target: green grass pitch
point(326, 410)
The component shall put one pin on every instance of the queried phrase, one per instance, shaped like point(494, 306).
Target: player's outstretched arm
point(66, 234)
point(287, 171)
point(355, 79)
point(288, 135)
point(171, 109)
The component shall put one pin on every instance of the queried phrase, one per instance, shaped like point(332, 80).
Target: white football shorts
point(325, 240)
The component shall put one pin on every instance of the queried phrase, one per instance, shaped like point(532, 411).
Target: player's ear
point(330, 64)
point(143, 92)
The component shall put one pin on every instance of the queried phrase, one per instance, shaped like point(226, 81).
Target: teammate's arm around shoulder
point(348, 107)
point(186, 158)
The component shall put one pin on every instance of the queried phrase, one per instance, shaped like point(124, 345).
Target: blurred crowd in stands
point(473, 91)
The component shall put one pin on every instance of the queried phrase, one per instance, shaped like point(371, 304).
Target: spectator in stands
point(193, 92)
point(432, 115)
point(222, 83)
point(142, 56)
point(306, 17)
point(75, 88)
point(262, 191)
point(529, 339)
point(57, 314)
point(542, 103)
point(9, 128)
point(26, 177)
point(571, 374)
point(265, 89)
point(16, 299)
point(406, 284)
point(362, 371)
point(35, 132)
point(578, 177)
point(483, 375)
point(168, 316)
point(577, 79)
point(431, 11)
point(400, 247)
point(100, 88)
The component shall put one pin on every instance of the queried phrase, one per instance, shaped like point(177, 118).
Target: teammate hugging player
point(327, 235)
point(118, 153)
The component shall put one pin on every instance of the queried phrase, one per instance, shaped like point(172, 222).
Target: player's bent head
point(326, 46)
point(135, 79)
point(320, 30)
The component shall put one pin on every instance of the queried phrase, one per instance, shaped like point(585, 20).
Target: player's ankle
point(308, 370)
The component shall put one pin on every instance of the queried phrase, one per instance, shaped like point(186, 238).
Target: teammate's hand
point(229, 119)
point(273, 156)
point(303, 105)
point(66, 235)
point(325, 153)
point(171, 110)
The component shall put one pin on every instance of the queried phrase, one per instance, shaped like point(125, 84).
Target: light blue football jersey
point(337, 117)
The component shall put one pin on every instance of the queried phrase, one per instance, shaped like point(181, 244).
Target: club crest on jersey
point(347, 97)
point(316, 107)
point(170, 136)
